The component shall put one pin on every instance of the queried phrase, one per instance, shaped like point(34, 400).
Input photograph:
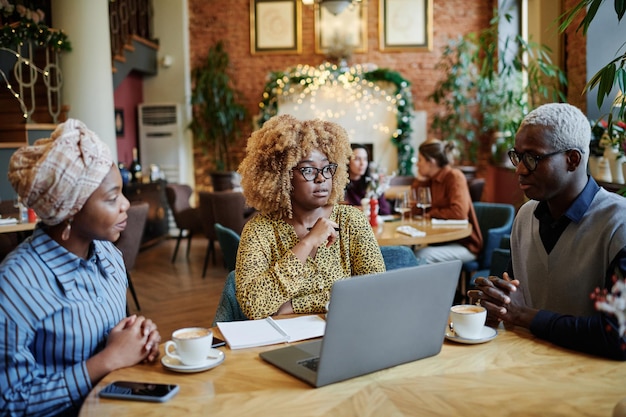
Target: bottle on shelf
point(22, 211)
point(135, 168)
point(124, 172)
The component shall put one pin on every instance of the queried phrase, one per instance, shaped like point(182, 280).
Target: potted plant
point(216, 114)
point(491, 83)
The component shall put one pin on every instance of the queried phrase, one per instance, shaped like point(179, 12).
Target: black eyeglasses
point(310, 173)
point(530, 161)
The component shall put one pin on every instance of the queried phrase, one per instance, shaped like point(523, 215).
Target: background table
point(386, 233)
point(17, 227)
point(514, 374)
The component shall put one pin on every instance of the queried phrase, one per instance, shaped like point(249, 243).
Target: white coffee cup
point(468, 320)
point(191, 345)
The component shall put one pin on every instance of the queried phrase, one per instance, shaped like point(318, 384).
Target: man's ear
point(574, 159)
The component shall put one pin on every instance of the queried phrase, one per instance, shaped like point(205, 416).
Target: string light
point(12, 39)
point(360, 88)
point(20, 60)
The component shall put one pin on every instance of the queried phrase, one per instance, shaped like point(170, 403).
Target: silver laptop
point(375, 322)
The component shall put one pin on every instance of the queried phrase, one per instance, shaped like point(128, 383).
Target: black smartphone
point(140, 391)
point(217, 342)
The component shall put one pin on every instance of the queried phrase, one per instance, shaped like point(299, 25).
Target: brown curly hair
point(275, 149)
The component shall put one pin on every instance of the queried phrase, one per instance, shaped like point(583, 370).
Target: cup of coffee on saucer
point(191, 346)
point(468, 320)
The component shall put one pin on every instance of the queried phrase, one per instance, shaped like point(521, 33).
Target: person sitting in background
point(63, 290)
point(568, 240)
point(290, 254)
point(451, 200)
point(358, 171)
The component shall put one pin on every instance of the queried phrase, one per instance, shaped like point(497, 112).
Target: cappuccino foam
point(192, 334)
point(467, 309)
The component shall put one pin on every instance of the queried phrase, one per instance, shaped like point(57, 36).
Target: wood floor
point(175, 295)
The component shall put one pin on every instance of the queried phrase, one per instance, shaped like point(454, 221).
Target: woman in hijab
point(63, 290)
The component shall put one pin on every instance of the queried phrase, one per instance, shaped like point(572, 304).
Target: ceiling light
point(333, 6)
point(336, 6)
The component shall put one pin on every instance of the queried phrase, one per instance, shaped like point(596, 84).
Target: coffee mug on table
point(191, 345)
point(468, 320)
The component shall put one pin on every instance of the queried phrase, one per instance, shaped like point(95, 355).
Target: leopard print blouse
point(268, 274)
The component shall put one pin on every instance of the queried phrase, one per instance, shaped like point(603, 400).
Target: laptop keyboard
point(310, 363)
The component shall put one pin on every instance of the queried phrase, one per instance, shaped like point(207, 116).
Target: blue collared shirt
point(56, 311)
point(550, 230)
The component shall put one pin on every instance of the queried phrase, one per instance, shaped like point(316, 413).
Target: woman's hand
point(132, 340)
point(286, 308)
point(323, 233)
point(149, 329)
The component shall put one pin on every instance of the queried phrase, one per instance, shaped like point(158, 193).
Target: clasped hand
point(500, 297)
point(136, 338)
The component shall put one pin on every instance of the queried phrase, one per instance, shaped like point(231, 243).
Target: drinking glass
point(402, 204)
point(424, 202)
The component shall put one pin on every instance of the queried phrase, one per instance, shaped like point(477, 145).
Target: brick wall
point(213, 20)
point(575, 61)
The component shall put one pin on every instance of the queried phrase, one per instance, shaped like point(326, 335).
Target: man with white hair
point(566, 242)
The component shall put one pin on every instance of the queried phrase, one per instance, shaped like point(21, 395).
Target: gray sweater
point(563, 280)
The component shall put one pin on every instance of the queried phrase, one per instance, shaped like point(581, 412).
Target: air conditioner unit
point(161, 139)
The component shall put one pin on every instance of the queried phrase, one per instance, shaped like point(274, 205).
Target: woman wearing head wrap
point(290, 254)
point(451, 200)
point(63, 290)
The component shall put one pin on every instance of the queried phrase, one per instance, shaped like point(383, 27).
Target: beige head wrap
point(55, 176)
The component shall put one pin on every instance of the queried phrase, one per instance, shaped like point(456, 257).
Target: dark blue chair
point(229, 243)
point(495, 221)
point(500, 259)
point(398, 257)
point(228, 308)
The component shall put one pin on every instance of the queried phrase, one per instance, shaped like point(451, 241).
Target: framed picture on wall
point(119, 122)
point(406, 25)
point(347, 30)
point(275, 26)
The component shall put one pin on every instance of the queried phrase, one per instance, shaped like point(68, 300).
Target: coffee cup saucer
point(175, 365)
point(486, 335)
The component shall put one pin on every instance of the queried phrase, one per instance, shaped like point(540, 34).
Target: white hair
point(569, 126)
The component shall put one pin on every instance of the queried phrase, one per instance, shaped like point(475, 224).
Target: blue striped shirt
point(56, 311)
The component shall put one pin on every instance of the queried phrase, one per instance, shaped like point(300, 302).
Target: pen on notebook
point(309, 229)
point(277, 327)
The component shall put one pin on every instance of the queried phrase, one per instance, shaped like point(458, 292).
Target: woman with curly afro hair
point(303, 240)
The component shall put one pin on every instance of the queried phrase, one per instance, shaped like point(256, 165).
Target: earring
point(68, 229)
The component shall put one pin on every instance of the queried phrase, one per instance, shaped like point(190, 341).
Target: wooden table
point(386, 233)
point(514, 374)
point(17, 227)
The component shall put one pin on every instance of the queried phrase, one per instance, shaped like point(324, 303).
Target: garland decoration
point(14, 37)
point(306, 79)
point(26, 30)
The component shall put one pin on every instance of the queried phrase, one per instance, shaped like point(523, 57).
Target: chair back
point(401, 180)
point(476, 186)
point(397, 257)
point(207, 215)
point(178, 196)
point(224, 207)
point(130, 239)
point(495, 220)
point(228, 308)
point(500, 258)
point(229, 242)
point(185, 216)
